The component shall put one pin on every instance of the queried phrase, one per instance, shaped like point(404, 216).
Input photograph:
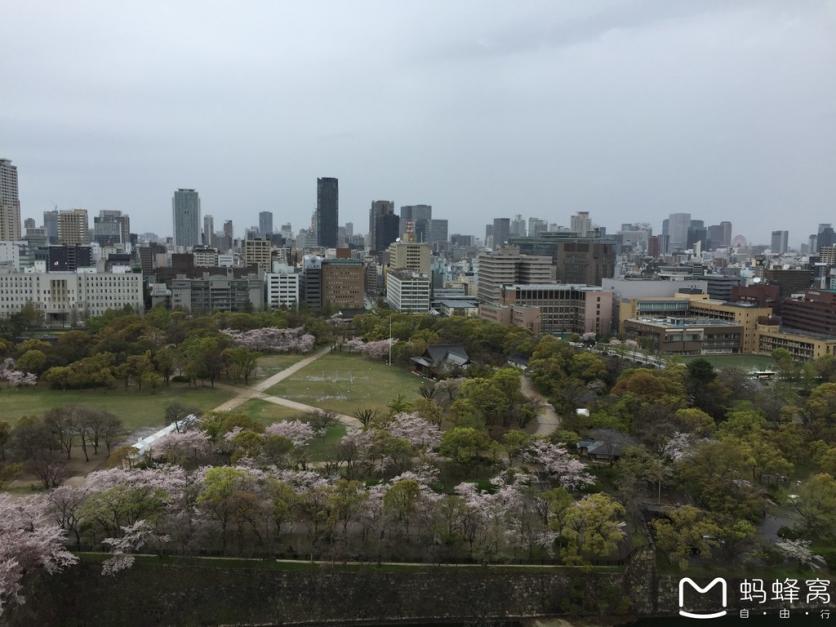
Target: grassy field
point(265, 412)
point(268, 365)
point(343, 383)
point(741, 362)
point(136, 409)
point(324, 448)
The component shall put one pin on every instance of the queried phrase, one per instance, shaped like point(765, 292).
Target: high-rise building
point(208, 230)
point(327, 211)
point(282, 288)
point(537, 226)
point(438, 231)
point(51, 225)
point(73, 227)
point(780, 242)
point(111, 227)
point(507, 267)
point(265, 223)
point(580, 223)
point(343, 284)
point(287, 230)
point(384, 225)
point(420, 217)
point(408, 291)
point(635, 236)
point(518, 226)
point(677, 231)
point(9, 202)
point(185, 207)
point(697, 234)
point(406, 255)
point(257, 252)
point(501, 231)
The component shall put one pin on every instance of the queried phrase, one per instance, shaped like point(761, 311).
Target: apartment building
point(282, 288)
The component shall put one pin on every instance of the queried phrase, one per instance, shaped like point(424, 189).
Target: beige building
point(9, 202)
point(257, 252)
point(744, 314)
point(414, 256)
point(508, 267)
point(73, 227)
point(408, 291)
point(802, 346)
point(343, 283)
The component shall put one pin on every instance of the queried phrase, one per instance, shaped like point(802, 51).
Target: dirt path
point(258, 391)
point(245, 394)
point(547, 420)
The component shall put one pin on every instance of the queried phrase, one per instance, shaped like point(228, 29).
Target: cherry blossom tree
point(29, 540)
point(569, 471)
point(133, 538)
point(184, 448)
point(273, 340)
point(298, 432)
point(14, 377)
point(420, 433)
point(377, 349)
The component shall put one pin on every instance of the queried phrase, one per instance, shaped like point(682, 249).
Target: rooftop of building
point(684, 323)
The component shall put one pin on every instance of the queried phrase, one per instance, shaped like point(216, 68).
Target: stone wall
point(199, 592)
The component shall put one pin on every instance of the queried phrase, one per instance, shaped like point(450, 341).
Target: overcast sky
point(629, 110)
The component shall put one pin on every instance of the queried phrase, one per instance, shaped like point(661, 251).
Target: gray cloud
point(630, 110)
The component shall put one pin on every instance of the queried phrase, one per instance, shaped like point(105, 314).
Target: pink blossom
point(29, 540)
point(273, 339)
point(298, 432)
point(420, 433)
point(569, 471)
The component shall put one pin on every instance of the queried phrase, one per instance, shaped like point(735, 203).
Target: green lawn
point(742, 362)
point(265, 412)
point(268, 365)
point(343, 383)
point(136, 409)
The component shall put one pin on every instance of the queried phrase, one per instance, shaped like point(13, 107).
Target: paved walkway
point(258, 391)
point(547, 420)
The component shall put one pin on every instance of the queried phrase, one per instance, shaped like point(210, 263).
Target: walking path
point(547, 420)
point(258, 391)
point(245, 394)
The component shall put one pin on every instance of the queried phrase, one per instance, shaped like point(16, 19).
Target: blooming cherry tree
point(569, 471)
point(298, 432)
point(273, 339)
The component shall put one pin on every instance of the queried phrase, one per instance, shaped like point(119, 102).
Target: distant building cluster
point(691, 288)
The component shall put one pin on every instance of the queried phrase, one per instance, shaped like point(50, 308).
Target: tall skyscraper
point(420, 216)
point(580, 223)
point(208, 230)
point(73, 227)
point(438, 231)
point(9, 202)
point(186, 211)
point(327, 211)
point(518, 226)
point(537, 226)
point(780, 242)
point(265, 223)
point(384, 225)
point(677, 231)
point(51, 225)
point(111, 227)
point(501, 231)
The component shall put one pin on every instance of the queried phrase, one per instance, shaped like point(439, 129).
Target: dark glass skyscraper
point(327, 211)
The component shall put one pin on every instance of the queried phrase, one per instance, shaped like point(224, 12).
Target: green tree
point(464, 444)
point(592, 529)
point(31, 361)
point(816, 503)
point(686, 532)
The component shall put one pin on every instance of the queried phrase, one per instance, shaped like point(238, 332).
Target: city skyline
point(602, 119)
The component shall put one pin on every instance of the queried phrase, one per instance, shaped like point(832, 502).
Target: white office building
point(67, 297)
point(282, 287)
point(408, 291)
